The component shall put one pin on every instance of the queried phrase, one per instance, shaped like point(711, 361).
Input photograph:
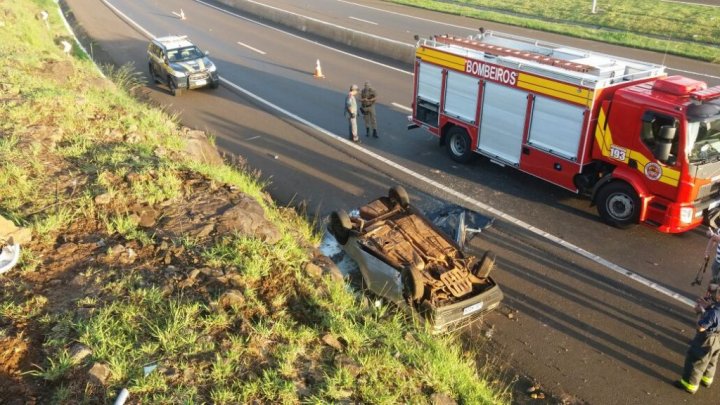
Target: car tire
point(414, 287)
point(399, 196)
point(618, 205)
point(214, 85)
point(153, 78)
point(340, 226)
point(459, 145)
point(482, 270)
point(174, 90)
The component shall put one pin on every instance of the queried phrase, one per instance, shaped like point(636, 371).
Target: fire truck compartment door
point(502, 122)
point(556, 126)
point(429, 82)
point(461, 94)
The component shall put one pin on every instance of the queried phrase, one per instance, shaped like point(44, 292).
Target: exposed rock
point(79, 352)
point(103, 199)
point(67, 249)
point(43, 136)
point(78, 281)
point(133, 137)
point(332, 341)
point(350, 365)
point(313, 270)
point(440, 398)
point(9, 230)
point(99, 373)
point(327, 266)
point(148, 217)
point(247, 217)
point(198, 148)
point(204, 231)
point(231, 298)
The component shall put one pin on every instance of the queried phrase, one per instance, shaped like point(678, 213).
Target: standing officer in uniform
point(702, 356)
point(351, 112)
point(367, 102)
point(714, 245)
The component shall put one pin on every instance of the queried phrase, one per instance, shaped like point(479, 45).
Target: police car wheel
point(618, 205)
point(173, 87)
point(458, 145)
point(153, 78)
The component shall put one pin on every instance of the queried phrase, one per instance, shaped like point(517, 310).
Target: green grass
point(680, 29)
point(267, 349)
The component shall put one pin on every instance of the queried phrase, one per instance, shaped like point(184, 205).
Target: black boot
point(375, 133)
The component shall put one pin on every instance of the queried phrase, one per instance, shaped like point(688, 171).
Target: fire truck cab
point(643, 146)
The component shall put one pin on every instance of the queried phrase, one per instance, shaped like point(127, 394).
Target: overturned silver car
point(406, 259)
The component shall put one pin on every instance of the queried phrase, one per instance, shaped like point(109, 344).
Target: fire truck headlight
point(686, 215)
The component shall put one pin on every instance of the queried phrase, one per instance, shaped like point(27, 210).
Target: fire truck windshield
point(704, 140)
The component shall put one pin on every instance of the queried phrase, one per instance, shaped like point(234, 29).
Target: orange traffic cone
point(318, 70)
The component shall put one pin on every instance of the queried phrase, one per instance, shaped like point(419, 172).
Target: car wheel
point(174, 90)
point(459, 145)
point(215, 85)
point(618, 205)
point(153, 78)
point(399, 196)
point(340, 226)
point(482, 270)
point(414, 286)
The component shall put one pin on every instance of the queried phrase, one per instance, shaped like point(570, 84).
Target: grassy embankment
point(679, 29)
point(268, 347)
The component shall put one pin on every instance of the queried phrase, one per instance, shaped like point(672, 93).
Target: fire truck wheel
point(340, 226)
point(618, 204)
point(458, 145)
point(399, 195)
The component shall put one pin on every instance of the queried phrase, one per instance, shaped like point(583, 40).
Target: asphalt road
point(580, 328)
point(401, 23)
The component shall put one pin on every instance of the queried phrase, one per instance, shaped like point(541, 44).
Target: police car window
point(184, 54)
point(172, 55)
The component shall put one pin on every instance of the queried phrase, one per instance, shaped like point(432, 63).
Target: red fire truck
point(644, 146)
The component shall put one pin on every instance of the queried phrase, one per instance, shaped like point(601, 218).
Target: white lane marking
point(507, 217)
point(689, 3)
point(125, 17)
point(402, 107)
point(475, 29)
point(305, 39)
point(361, 20)
point(694, 73)
point(251, 48)
point(408, 16)
point(252, 138)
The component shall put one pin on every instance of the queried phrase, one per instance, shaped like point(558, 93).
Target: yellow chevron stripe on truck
point(567, 92)
point(603, 136)
point(441, 58)
point(535, 84)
